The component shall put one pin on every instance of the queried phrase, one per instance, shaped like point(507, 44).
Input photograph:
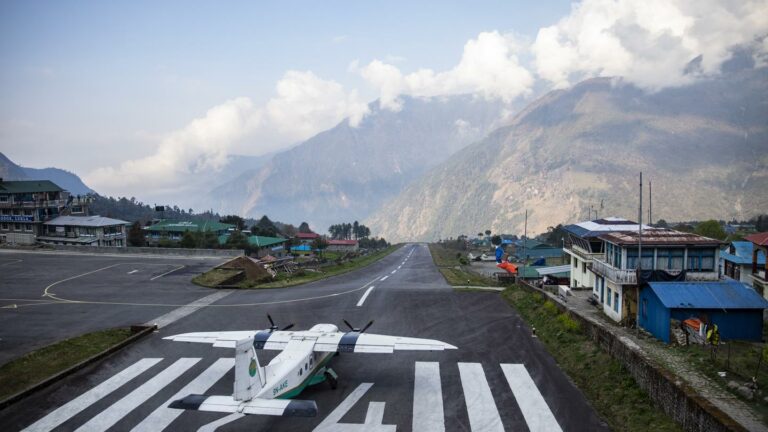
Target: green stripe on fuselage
point(311, 379)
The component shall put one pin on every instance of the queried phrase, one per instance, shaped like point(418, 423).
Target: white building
point(84, 230)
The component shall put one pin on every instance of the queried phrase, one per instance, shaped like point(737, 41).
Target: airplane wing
point(227, 404)
point(263, 339)
point(373, 343)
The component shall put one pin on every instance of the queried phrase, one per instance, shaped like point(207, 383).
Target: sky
point(137, 95)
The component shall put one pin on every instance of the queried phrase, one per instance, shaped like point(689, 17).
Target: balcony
point(33, 204)
point(618, 276)
point(581, 253)
point(759, 276)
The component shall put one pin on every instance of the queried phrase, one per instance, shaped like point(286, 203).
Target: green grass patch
point(43, 363)
point(304, 276)
point(607, 385)
point(451, 262)
point(214, 277)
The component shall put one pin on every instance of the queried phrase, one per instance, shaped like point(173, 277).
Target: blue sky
point(111, 89)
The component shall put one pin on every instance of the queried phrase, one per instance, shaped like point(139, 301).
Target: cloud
point(489, 67)
point(647, 43)
point(302, 106)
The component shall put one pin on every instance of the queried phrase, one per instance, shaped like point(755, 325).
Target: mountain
point(345, 173)
point(703, 146)
point(65, 179)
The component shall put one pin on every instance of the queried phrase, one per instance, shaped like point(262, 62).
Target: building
point(736, 308)
point(26, 205)
point(667, 252)
point(262, 245)
point(535, 250)
point(583, 244)
point(306, 238)
point(174, 230)
point(85, 231)
point(759, 252)
point(342, 245)
point(736, 261)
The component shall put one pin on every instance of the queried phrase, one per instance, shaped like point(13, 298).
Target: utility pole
point(639, 254)
point(650, 202)
point(525, 240)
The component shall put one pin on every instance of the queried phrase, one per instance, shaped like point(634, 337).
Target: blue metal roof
point(743, 253)
point(708, 295)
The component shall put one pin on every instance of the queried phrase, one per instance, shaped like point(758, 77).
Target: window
point(669, 259)
point(3, 198)
point(5, 226)
point(300, 371)
point(28, 227)
point(608, 298)
point(575, 263)
point(616, 301)
point(583, 267)
point(27, 212)
point(305, 366)
point(701, 259)
point(632, 258)
point(17, 227)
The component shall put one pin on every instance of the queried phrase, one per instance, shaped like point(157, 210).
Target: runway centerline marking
point(384, 278)
point(394, 271)
point(183, 311)
point(167, 273)
point(132, 271)
point(75, 406)
point(481, 408)
point(365, 296)
point(532, 404)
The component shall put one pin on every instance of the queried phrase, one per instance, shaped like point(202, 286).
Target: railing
point(584, 255)
point(619, 276)
point(760, 274)
point(33, 204)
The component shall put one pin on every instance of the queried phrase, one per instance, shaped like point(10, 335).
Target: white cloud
point(647, 43)
point(489, 67)
point(303, 105)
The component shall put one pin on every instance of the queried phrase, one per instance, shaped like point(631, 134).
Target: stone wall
point(674, 397)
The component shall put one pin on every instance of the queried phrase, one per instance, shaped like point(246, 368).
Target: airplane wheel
point(331, 380)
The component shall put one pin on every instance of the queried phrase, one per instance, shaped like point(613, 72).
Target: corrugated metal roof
point(660, 237)
point(88, 221)
point(597, 227)
point(262, 241)
point(554, 270)
point(181, 226)
point(727, 294)
point(29, 186)
point(758, 238)
point(742, 253)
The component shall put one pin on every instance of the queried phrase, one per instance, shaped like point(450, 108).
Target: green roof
point(258, 241)
point(182, 226)
point(531, 273)
point(29, 186)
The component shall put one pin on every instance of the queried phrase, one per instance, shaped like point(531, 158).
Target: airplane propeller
point(357, 330)
point(274, 327)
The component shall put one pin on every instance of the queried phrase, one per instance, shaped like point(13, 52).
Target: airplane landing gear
point(332, 378)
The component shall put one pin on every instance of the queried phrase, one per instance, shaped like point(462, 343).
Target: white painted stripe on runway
point(73, 407)
point(428, 412)
point(167, 273)
point(107, 418)
point(365, 296)
point(164, 416)
point(183, 311)
point(374, 417)
point(384, 278)
point(535, 409)
point(329, 424)
point(132, 271)
point(481, 408)
point(212, 426)
point(394, 271)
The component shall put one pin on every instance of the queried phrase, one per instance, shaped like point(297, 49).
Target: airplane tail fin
point(249, 375)
point(258, 406)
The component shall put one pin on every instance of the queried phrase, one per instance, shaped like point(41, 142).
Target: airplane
point(303, 361)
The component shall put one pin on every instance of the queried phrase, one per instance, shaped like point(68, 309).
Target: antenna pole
point(525, 239)
point(650, 202)
point(640, 227)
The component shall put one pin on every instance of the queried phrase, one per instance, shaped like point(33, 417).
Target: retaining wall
point(130, 250)
point(677, 399)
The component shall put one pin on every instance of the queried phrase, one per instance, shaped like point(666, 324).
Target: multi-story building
point(25, 206)
point(673, 252)
point(173, 231)
point(583, 244)
point(759, 253)
point(85, 231)
point(737, 261)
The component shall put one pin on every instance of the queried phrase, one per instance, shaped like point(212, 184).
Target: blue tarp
point(707, 295)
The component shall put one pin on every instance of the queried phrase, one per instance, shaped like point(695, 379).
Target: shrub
point(463, 261)
point(550, 307)
point(569, 323)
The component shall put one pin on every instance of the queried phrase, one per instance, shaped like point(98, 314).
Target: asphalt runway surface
point(500, 378)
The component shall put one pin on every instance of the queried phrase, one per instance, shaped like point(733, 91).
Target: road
point(500, 378)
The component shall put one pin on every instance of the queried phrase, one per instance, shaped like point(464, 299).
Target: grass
point(40, 364)
point(447, 262)
point(607, 385)
point(303, 276)
point(740, 365)
point(214, 277)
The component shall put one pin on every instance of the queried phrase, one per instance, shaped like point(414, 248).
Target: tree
point(304, 228)
point(136, 235)
point(188, 240)
point(495, 240)
point(319, 244)
point(237, 240)
point(235, 220)
point(661, 223)
point(264, 227)
point(487, 232)
point(554, 235)
point(711, 229)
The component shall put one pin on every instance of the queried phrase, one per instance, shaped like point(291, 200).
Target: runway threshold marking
point(481, 408)
point(212, 426)
point(365, 296)
point(535, 409)
point(185, 310)
point(164, 416)
point(428, 415)
point(107, 418)
point(167, 273)
point(72, 408)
